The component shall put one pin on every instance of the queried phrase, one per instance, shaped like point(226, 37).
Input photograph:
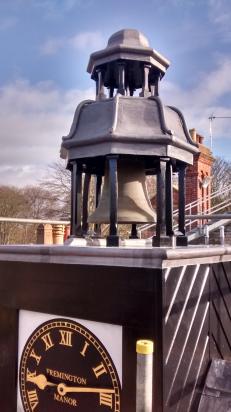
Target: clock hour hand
point(63, 389)
point(41, 381)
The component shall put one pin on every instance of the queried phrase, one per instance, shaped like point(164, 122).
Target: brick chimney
point(198, 176)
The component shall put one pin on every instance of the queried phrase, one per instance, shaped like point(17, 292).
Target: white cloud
point(206, 98)
point(220, 16)
point(86, 40)
point(55, 8)
point(33, 119)
point(52, 46)
point(89, 41)
point(7, 23)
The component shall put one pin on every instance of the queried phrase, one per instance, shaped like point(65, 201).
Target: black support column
point(98, 185)
point(87, 180)
point(134, 234)
point(113, 238)
point(164, 232)
point(100, 85)
point(145, 87)
point(169, 200)
point(181, 238)
point(76, 200)
point(121, 78)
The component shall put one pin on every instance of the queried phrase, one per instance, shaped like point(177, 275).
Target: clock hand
point(63, 389)
point(41, 381)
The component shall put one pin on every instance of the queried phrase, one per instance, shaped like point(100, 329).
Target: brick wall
point(197, 173)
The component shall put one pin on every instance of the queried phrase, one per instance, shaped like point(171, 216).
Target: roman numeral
point(30, 374)
point(47, 340)
point(66, 338)
point(35, 356)
point(105, 399)
point(33, 399)
point(99, 370)
point(83, 352)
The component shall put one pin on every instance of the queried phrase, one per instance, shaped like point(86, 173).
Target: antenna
point(211, 118)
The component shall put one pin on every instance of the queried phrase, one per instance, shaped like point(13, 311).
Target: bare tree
point(32, 202)
point(221, 172)
point(221, 180)
point(12, 204)
point(58, 185)
point(41, 203)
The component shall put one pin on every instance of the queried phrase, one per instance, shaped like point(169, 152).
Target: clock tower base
point(177, 297)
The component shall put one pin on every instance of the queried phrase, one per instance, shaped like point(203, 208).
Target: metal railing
point(197, 219)
point(200, 206)
point(34, 221)
point(33, 231)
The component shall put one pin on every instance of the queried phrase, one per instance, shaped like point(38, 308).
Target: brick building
point(198, 177)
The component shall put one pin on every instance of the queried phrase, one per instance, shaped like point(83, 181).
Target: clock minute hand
point(63, 389)
point(41, 381)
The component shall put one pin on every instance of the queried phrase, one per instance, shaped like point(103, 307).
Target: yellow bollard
point(144, 374)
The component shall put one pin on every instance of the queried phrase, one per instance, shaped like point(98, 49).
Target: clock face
point(63, 367)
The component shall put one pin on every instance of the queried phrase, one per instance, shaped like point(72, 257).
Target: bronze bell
point(134, 205)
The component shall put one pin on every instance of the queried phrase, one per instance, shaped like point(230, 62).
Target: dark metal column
point(73, 198)
point(111, 91)
point(161, 211)
point(87, 180)
point(79, 201)
point(157, 82)
point(121, 78)
point(98, 186)
point(76, 200)
point(100, 85)
point(113, 238)
point(162, 238)
point(181, 238)
point(145, 88)
point(134, 234)
point(169, 200)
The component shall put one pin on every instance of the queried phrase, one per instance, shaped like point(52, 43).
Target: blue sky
point(45, 46)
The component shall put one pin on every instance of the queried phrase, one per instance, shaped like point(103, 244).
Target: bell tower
point(123, 135)
point(84, 321)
